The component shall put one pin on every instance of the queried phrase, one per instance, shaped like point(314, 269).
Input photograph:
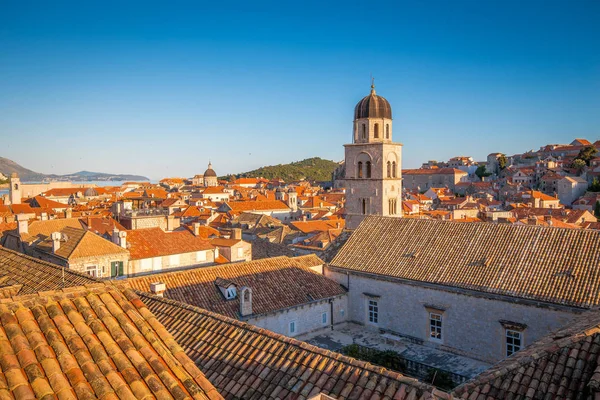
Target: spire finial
point(372, 85)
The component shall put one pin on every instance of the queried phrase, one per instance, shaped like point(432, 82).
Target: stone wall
point(155, 221)
point(158, 264)
point(308, 317)
point(470, 321)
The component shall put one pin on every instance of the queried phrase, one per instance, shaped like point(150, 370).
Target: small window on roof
point(231, 292)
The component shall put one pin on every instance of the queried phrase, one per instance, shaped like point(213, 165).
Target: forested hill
point(314, 169)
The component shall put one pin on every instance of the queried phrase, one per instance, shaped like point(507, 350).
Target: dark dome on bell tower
point(373, 106)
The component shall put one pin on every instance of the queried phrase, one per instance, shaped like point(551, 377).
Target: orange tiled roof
point(318, 225)
point(277, 283)
point(214, 190)
point(78, 243)
point(22, 209)
point(257, 205)
point(264, 364)
point(102, 225)
point(154, 242)
point(98, 341)
point(36, 275)
point(551, 265)
point(63, 192)
point(47, 203)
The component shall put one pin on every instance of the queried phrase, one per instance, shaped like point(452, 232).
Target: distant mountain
point(7, 167)
point(314, 169)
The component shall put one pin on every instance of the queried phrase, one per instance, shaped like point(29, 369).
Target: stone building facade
point(480, 289)
point(312, 317)
point(423, 179)
point(471, 324)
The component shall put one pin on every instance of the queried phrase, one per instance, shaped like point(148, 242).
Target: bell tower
point(373, 163)
point(15, 189)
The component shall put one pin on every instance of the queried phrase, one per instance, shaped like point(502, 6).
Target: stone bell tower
point(373, 163)
point(15, 189)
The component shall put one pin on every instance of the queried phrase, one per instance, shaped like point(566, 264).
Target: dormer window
point(227, 288)
point(230, 293)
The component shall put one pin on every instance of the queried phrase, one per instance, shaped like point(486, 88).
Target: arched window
point(393, 169)
point(387, 131)
point(364, 206)
point(389, 169)
point(359, 172)
point(364, 132)
point(368, 169)
point(376, 131)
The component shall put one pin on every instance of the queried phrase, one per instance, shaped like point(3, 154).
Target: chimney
point(23, 224)
point(55, 241)
point(548, 219)
point(170, 223)
point(245, 301)
point(115, 236)
point(337, 225)
point(69, 213)
point(304, 217)
point(44, 216)
point(236, 233)
point(532, 220)
point(158, 288)
point(196, 226)
point(122, 239)
point(89, 222)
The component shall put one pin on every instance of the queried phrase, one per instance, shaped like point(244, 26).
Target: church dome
point(210, 172)
point(373, 106)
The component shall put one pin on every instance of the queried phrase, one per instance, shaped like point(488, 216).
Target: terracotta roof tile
point(240, 206)
point(92, 342)
point(531, 262)
point(77, 243)
point(154, 242)
point(247, 361)
point(276, 283)
point(35, 275)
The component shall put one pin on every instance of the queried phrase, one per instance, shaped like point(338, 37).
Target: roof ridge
point(69, 291)
point(220, 266)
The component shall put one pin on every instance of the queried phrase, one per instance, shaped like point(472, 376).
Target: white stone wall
point(470, 323)
point(308, 317)
point(160, 264)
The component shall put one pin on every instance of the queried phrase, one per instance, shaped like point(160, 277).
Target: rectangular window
point(514, 342)
point(292, 329)
point(435, 326)
point(324, 318)
point(91, 270)
point(373, 312)
point(116, 269)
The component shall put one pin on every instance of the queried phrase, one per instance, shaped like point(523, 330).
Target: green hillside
point(314, 169)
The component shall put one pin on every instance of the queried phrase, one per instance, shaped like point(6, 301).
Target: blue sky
point(159, 88)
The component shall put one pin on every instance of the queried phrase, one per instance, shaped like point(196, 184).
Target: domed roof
point(373, 106)
point(210, 172)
